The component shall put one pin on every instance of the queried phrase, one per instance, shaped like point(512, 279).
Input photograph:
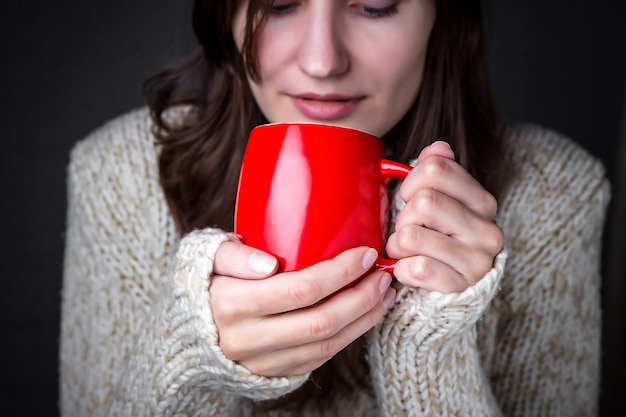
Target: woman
point(166, 313)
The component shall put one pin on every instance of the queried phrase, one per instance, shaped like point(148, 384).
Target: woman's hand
point(291, 323)
point(445, 238)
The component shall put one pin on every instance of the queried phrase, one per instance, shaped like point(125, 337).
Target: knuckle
point(224, 312)
point(498, 240)
point(328, 349)
point(408, 237)
point(421, 267)
point(344, 271)
point(425, 200)
point(261, 367)
point(304, 291)
point(486, 206)
point(220, 314)
point(405, 192)
point(322, 327)
point(232, 350)
point(481, 265)
point(493, 239)
point(228, 351)
point(491, 205)
point(434, 166)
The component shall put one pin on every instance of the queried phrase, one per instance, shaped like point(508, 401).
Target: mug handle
point(391, 170)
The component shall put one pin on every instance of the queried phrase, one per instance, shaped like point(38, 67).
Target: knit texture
point(138, 336)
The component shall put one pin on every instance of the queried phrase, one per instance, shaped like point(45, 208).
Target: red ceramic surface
point(308, 192)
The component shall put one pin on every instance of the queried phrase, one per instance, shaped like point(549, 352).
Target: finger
point(429, 274)
point(291, 290)
point(438, 148)
point(437, 211)
point(308, 357)
point(235, 259)
point(412, 240)
point(308, 325)
point(470, 262)
point(450, 178)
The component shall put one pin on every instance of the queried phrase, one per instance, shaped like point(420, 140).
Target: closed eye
point(378, 12)
point(283, 7)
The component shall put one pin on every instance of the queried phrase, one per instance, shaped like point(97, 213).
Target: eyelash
point(281, 8)
point(372, 12)
point(378, 13)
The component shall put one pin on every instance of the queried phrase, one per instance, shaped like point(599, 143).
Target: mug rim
point(270, 124)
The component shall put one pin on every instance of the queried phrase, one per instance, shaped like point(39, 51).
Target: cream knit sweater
point(138, 337)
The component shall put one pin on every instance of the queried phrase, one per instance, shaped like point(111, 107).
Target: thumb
point(438, 148)
point(234, 259)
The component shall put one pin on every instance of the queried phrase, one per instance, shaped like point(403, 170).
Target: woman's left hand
point(445, 238)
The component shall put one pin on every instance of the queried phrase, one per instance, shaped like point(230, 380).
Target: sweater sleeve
point(546, 352)
point(424, 357)
point(176, 362)
point(137, 333)
point(545, 334)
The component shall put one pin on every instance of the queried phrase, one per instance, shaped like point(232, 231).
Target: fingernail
point(389, 298)
point(369, 258)
point(441, 141)
point(261, 263)
point(384, 283)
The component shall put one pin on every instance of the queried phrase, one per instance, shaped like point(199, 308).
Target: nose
point(322, 52)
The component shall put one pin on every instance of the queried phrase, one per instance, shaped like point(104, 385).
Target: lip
point(326, 106)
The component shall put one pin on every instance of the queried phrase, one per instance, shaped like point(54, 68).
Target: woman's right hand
point(291, 323)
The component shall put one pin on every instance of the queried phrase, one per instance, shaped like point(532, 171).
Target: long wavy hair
point(200, 155)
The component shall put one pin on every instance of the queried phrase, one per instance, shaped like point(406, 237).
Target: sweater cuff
point(436, 313)
point(193, 270)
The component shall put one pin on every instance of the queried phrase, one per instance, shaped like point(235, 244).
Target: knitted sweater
point(138, 337)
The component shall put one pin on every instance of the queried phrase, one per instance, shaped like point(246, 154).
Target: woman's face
point(355, 63)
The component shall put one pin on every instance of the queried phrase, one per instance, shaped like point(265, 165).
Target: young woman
point(494, 305)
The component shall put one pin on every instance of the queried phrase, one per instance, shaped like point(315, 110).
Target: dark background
point(67, 66)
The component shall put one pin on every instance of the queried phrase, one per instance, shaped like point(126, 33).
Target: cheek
point(411, 56)
point(408, 57)
point(268, 53)
point(410, 77)
point(276, 48)
point(404, 79)
point(398, 84)
point(263, 100)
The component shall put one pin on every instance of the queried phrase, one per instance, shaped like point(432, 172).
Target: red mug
point(309, 191)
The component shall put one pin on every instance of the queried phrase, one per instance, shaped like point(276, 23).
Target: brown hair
point(201, 157)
